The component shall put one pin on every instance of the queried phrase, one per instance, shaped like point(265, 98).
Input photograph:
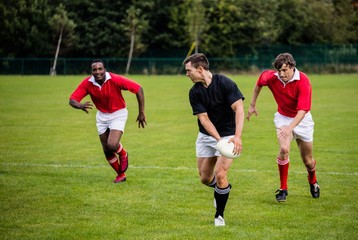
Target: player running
point(105, 89)
point(217, 103)
point(293, 120)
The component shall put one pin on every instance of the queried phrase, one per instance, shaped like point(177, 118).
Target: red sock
point(283, 165)
point(113, 161)
point(312, 174)
point(121, 151)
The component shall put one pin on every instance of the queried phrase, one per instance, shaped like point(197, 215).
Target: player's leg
point(115, 147)
point(110, 141)
point(206, 167)
point(206, 159)
point(306, 151)
point(282, 158)
point(207, 156)
point(304, 138)
point(223, 187)
point(117, 124)
point(110, 155)
point(283, 163)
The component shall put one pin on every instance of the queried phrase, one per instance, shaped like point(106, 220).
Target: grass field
point(56, 184)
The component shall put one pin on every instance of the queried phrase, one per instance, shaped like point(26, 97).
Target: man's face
point(286, 72)
point(193, 73)
point(98, 71)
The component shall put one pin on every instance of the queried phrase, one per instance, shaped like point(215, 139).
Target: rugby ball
point(226, 148)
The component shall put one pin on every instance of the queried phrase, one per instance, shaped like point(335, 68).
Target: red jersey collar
point(296, 76)
point(92, 80)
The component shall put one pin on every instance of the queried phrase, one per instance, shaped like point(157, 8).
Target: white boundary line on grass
point(164, 168)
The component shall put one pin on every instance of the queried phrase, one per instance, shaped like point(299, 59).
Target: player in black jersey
point(218, 104)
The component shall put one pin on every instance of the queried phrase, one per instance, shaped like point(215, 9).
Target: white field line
point(164, 168)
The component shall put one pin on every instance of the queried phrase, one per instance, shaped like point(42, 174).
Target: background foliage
point(99, 28)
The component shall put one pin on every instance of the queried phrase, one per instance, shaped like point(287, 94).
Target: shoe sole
point(315, 196)
point(123, 180)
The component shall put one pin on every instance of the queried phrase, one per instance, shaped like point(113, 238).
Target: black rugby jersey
point(216, 101)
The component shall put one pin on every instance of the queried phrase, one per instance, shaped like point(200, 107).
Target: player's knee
point(205, 180)
point(309, 162)
point(221, 178)
point(108, 154)
point(284, 151)
point(112, 147)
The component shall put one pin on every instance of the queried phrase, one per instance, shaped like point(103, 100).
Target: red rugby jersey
point(290, 97)
point(107, 98)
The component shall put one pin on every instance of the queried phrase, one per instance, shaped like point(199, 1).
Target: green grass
point(56, 184)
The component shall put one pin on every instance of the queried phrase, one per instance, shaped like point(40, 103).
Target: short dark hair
point(284, 58)
point(198, 60)
point(98, 60)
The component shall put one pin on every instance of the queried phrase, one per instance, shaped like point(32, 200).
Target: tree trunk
point(130, 52)
point(53, 69)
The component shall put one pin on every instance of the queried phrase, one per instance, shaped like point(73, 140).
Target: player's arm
point(252, 107)
point(83, 106)
point(208, 125)
point(141, 119)
point(238, 107)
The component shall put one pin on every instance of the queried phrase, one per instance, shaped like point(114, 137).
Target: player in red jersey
point(293, 120)
point(105, 89)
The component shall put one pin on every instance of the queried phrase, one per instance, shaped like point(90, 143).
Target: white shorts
point(116, 120)
point(303, 131)
point(206, 145)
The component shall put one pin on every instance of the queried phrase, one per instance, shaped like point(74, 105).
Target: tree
point(135, 24)
point(165, 32)
point(307, 22)
point(221, 28)
point(222, 35)
point(60, 23)
point(99, 27)
point(24, 28)
point(345, 21)
point(195, 21)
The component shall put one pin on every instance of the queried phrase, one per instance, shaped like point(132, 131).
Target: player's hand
point(237, 145)
point(252, 109)
point(284, 132)
point(85, 106)
point(141, 119)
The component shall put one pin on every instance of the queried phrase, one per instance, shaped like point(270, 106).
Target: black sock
point(221, 196)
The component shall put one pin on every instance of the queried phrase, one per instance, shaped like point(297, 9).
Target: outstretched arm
point(141, 119)
point(83, 106)
point(252, 107)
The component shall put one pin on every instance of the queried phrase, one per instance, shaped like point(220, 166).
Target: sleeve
point(305, 94)
point(80, 92)
point(126, 84)
point(264, 78)
point(232, 92)
point(196, 105)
